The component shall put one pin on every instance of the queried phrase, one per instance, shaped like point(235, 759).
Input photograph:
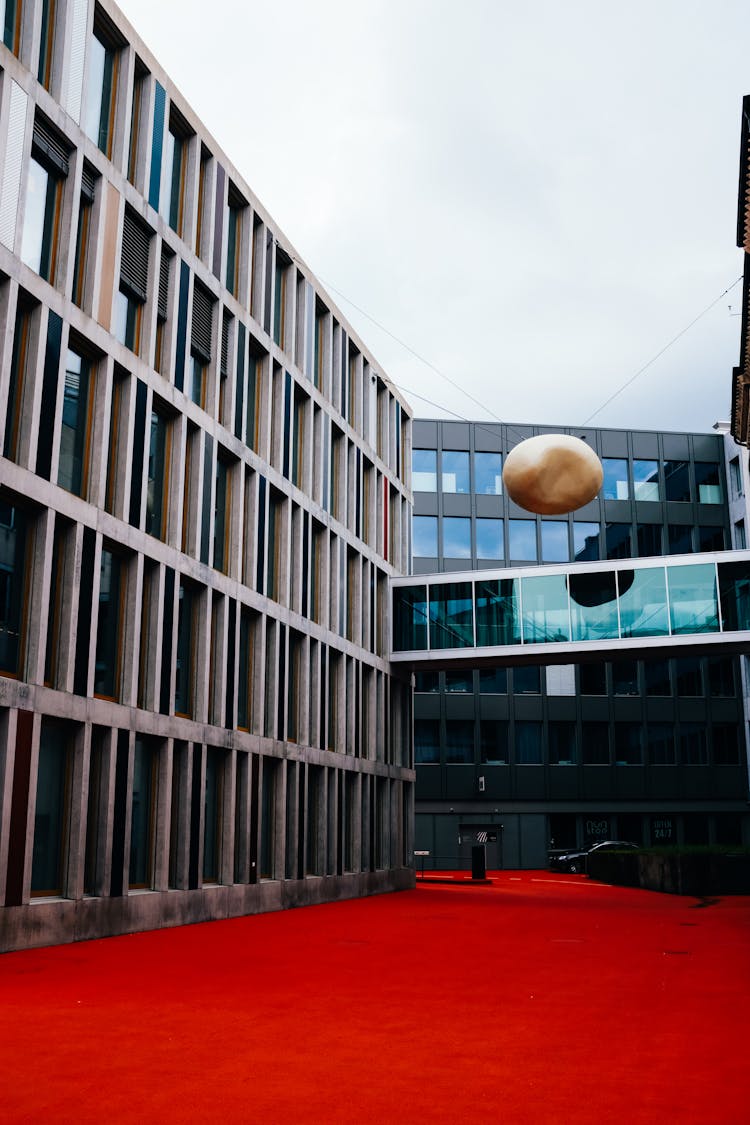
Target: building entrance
point(491, 835)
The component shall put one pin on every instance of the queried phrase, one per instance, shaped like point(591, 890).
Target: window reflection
point(646, 480)
point(708, 482)
point(454, 467)
point(489, 539)
point(545, 609)
point(585, 541)
point(593, 606)
point(424, 470)
point(451, 615)
point(643, 603)
point(677, 481)
point(615, 485)
point(692, 597)
point(554, 541)
point(456, 537)
point(522, 540)
point(498, 612)
point(488, 474)
point(424, 531)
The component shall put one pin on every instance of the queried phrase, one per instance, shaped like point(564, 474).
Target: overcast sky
point(535, 197)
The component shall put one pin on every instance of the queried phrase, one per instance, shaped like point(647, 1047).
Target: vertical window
point(17, 383)
point(489, 534)
point(459, 741)
point(162, 310)
point(735, 477)
point(595, 743)
point(456, 537)
point(279, 300)
point(424, 532)
point(200, 343)
point(646, 480)
point(183, 692)
point(136, 117)
point(454, 467)
point(48, 168)
point(131, 297)
point(75, 436)
point(488, 474)
point(175, 167)
point(222, 509)
point(157, 488)
point(527, 680)
point(679, 539)
point(98, 117)
point(615, 485)
point(248, 624)
point(528, 742)
point(522, 540)
point(108, 630)
point(142, 817)
point(12, 23)
point(424, 470)
point(554, 541)
point(562, 743)
point(235, 207)
point(585, 541)
point(88, 180)
point(46, 42)
point(12, 586)
point(617, 541)
point(51, 811)
point(708, 482)
point(625, 677)
point(740, 537)
point(426, 741)
point(660, 744)
point(677, 481)
point(649, 540)
point(656, 677)
point(710, 538)
point(212, 816)
point(202, 225)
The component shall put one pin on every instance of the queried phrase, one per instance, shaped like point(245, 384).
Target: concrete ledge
point(63, 921)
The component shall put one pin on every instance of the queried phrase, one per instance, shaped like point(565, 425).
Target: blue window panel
point(157, 146)
point(489, 539)
point(424, 470)
point(646, 480)
point(425, 531)
point(456, 537)
point(554, 541)
point(585, 541)
point(522, 540)
point(454, 466)
point(488, 474)
point(615, 486)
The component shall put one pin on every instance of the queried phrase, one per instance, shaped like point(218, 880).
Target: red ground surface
point(540, 998)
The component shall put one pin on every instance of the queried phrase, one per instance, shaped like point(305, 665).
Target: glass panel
point(108, 627)
point(459, 740)
point(92, 110)
point(12, 585)
point(726, 742)
point(628, 749)
point(649, 540)
point(212, 817)
point(693, 747)
point(545, 609)
point(50, 813)
point(593, 606)
point(617, 540)
point(35, 248)
point(141, 818)
point(451, 617)
point(592, 679)
point(646, 480)
point(585, 542)
point(488, 473)
point(595, 743)
point(426, 741)
point(721, 681)
point(562, 744)
point(72, 468)
point(456, 537)
point(692, 597)
point(522, 540)
point(528, 743)
point(455, 471)
point(660, 745)
point(708, 482)
point(680, 539)
point(527, 680)
point(625, 677)
point(497, 611)
point(615, 485)
point(688, 676)
point(183, 693)
point(493, 734)
point(710, 538)
point(425, 533)
point(427, 682)
point(643, 602)
point(554, 541)
point(734, 590)
point(459, 681)
point(157, 475)
point(489, 539)
point(424, 470)
point(656, 677)
point(410, 618)
point(493, 681)
point(677, 481)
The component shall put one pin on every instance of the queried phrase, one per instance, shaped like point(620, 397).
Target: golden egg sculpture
point(552, 474)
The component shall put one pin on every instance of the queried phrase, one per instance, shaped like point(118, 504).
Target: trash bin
point(478, 861)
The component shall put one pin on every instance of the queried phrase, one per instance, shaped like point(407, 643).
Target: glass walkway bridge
point(572, 613)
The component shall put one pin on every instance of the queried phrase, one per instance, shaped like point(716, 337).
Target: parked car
point(577, 861)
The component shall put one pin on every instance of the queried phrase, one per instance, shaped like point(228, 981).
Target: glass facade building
point(632, 740)
point(205, 486)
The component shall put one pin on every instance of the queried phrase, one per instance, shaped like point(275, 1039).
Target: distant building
point(204, 488)
point(528, 758)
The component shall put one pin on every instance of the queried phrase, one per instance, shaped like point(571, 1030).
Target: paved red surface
point(540, 998)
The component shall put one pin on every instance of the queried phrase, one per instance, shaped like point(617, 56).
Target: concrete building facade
point(530, 758)
point(204, 488)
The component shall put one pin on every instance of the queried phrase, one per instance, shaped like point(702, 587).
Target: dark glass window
point(157, 487)
point(426, 741)
point(693, 749)
point(615, 485)
point(528, 742)
point(12, 25)
point(175, 167)
point(427, 682)
point(677, 480)
point(646, 480)
point(83, 233)
point(592, 679)
point(459, 681)
point(585, 541)
point(527, 680)
point(522, 540)
point(459, 740)
point(562, 743)
point(656, 677)
point(212, 815)
point(75, 437)
point(424, 533)
point(628, 748)
point(729, 829)
point(106, 677)
point(595, 743)
point(246, 670)
point(625, 677)
point(649, 540)
point(51, 811)
point(493, 681)
point(708, 482)
point(617, 540)
point(98, 114)
point(222, 504)
point(142, 815)
point(131, 295)
point(660, 744)
point(721, 680)
point(688, 678)
point(726, 741)
point(493, 734)
point(711, 538)
point(735, 478)
point(13, 532)
point(680, 539)
point(18, 372)
point(183, 696)
point(235, 208)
